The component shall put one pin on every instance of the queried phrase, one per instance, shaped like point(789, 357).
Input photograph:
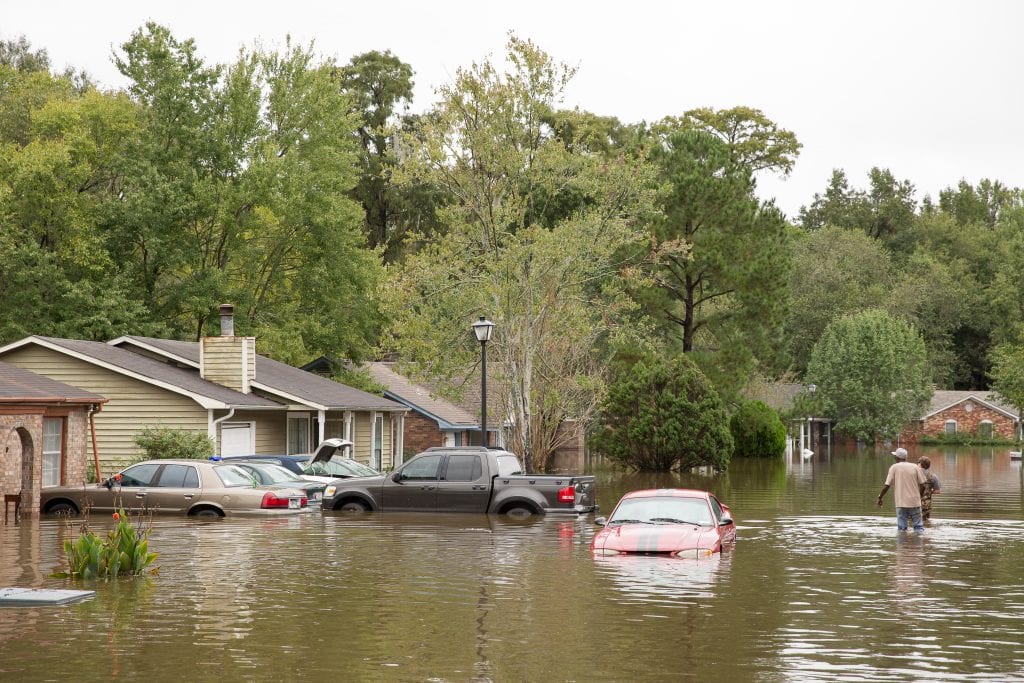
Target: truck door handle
point(141, 494)
point(479, 488)
point(189, 495)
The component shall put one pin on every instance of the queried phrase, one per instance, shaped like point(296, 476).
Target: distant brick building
point(45, 434)
point(964, 412)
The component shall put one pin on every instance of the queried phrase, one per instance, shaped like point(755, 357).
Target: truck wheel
point(519, 512)
point(353, 506)
point(62, 508)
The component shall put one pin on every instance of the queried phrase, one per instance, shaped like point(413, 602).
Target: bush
point(757, 431)
point(662, 415)
point(167, 442)
point(124, 552)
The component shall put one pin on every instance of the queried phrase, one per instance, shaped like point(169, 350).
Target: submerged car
point(198, 488)
point(667, 522)
point(323, 465)
point(275, 476)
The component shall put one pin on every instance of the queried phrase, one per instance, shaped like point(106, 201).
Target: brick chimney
point(228, 360)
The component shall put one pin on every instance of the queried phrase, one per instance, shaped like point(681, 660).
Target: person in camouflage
point(930, 487)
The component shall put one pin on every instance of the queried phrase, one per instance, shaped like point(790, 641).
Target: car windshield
point(662, 510)
point(340, 467)
point(233, 475)
point(275, 474)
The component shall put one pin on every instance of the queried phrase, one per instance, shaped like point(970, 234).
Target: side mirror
point(109, 482)
point(397, 477)
point(601, 521)
point(726, 520)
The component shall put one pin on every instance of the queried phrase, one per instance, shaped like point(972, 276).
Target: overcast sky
point(931, 90)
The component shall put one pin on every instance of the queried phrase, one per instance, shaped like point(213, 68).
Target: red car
point(668, 522)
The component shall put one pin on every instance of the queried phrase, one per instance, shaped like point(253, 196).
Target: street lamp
point(811, 388)
point(482, 328)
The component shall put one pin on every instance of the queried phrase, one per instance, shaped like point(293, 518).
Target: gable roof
point(272, 377)
point(22, 386)
point(946, 399)
point(402, 389)
point(164, 375)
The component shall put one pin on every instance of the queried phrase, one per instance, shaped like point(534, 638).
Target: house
point(965, 412)
point(220, 386)
point(45, 432)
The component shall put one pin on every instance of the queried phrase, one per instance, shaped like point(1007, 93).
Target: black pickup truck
point(464, 479)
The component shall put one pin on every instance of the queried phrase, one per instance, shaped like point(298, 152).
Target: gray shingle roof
point(160, 372)
point(421, 398)
point(18, 385)
point(942, 399)
point(279, 378)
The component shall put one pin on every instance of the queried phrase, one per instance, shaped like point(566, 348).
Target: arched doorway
point(19, 460)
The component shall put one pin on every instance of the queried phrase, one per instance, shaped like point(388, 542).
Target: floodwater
point(818, 587)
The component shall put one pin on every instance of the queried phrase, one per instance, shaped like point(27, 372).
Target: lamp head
point(483, 328)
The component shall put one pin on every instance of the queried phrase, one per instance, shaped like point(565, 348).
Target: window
point(951, 426)
point(463, 468)
point(378, 440)
point(985, 429)
point(424, 468)
point(179, 477)
point(716, 508)
point(53, 450)
point(298, 433)
point(138, 475)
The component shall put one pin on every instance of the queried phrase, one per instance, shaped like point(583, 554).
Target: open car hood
point(327, 448)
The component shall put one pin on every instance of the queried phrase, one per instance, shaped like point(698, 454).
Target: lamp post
point(483, 328)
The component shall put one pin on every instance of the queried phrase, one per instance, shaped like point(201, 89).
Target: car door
point(176, 488)
point(726, 532)
point(130, 488)
point(462, 486)
point(414, 487)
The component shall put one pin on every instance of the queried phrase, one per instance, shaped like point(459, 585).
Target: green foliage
point(662, 415)
point(1008, 374)
point(964, 439)
point(757, 431)
point(872, 375)
point(167, 442)
point(123, 552)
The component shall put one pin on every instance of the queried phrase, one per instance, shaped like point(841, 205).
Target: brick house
point(964, 412)
point(46, 429)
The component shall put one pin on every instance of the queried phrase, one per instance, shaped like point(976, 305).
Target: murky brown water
point(819, 587)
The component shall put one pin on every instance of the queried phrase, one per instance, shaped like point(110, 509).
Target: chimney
point(228, 360)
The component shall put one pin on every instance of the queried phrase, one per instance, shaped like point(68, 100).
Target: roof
point(273, 377)
point(22, 386)
point(179, 380)
point(945, 399)
point(421, 399)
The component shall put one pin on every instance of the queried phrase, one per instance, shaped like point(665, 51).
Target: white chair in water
point(806, 453)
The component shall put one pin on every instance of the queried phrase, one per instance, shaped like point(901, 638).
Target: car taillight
point(567, 494)
point(303, 502)
point(271, 500)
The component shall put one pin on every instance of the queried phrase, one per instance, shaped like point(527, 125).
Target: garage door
point(236, 438)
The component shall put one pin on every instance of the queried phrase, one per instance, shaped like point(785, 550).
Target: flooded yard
point(819, 586)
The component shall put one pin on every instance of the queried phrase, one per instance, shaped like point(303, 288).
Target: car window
point(340, 467)
point(508, 465)
point(277, 474)
point(139, 475)
point(463, 468)
point(179, 477)
point(233, 475)
point(717, 509)
point(422, 468)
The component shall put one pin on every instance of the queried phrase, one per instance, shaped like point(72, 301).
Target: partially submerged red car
point(667, 522)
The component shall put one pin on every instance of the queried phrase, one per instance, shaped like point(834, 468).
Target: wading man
point(908, 480)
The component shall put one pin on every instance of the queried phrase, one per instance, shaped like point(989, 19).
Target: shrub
point(124, 551)
point(757, 431)
point(662, 415)
point(167, 442)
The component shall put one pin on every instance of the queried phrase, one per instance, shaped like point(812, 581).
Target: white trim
point(376, 444)
point(285, 395)
point(289, 416)
point(945, 426)
point(204, 401)
point(321, 424)
point(166, 354)
point(245, 364)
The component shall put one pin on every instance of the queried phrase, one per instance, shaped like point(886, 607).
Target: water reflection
point(663, 580)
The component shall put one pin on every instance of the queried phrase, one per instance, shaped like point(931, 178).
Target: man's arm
point(885, 487)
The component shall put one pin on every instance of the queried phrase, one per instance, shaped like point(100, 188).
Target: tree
point(757, 431)
point(872, 375)
point(719, 259)
point(663, 415)
point(1008, 374)
point(170, 442)
point(546, 279)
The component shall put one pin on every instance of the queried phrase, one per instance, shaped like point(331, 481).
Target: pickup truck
point(463, 479)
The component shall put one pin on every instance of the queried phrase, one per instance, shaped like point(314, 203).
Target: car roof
point(675, 493)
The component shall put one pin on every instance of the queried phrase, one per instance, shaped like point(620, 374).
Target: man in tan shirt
point(908, 480)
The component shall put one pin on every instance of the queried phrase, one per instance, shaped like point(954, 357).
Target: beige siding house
point(244, 402)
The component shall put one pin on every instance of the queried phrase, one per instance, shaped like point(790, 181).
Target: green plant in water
point(123, 552)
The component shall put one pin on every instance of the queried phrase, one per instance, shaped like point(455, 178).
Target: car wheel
point(207, 513)
point(519, 512)
point(62, 508)
point(353, 506)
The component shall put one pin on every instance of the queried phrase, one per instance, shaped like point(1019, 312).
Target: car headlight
point(329, 491)
point(698, 553)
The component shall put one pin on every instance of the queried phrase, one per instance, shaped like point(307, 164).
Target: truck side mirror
point(397, 477)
